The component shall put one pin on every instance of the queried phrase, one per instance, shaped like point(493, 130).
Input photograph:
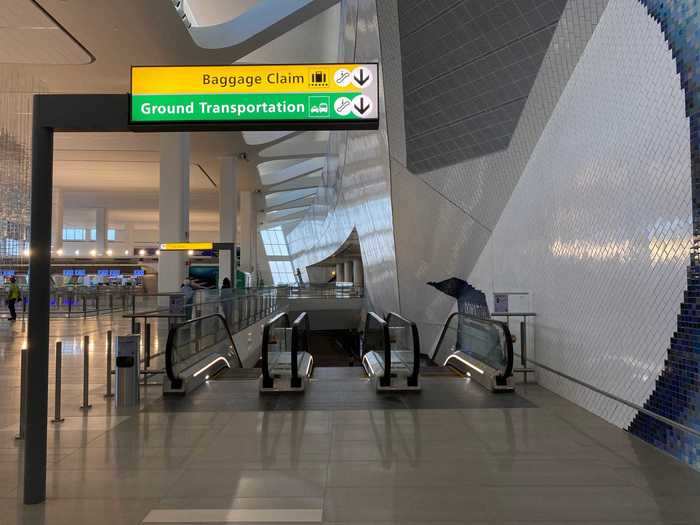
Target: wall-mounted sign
point(102, 273)
point(500, 303)
point(8, 273)
point(293, 96)
point(115, 273)
point(138, 272)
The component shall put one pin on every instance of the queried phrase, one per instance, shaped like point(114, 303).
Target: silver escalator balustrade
point(286, 361)
point(479, 348)
point(391, 352)
point(196, 350)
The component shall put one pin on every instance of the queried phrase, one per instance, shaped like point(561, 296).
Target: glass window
point(274, 242)
point(282, 272)
point(73, 234)
point(111, 234)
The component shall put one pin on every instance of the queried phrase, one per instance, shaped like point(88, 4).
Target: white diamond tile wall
point(356, 191)
point(599, 227)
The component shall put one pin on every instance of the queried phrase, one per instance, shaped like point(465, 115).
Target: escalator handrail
point(385, 380)
point(508, 370)
point(266, 378)
point(171, 343)
point(413, 378)
point(296, 342)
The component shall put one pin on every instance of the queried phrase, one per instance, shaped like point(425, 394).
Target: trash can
point(127, 371)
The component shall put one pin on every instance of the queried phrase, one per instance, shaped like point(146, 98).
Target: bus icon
point(319, 107)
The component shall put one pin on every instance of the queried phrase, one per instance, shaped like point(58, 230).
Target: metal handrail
point(635, 406)
point(266, 378)
point(176, 381)
point(413, 378)
point(163, 312)
point(508, 371)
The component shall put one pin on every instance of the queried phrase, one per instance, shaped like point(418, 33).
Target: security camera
point(243, 156)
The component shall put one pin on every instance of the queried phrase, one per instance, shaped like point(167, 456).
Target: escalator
point(478, 348)
point(286, 362)
point(391, 352)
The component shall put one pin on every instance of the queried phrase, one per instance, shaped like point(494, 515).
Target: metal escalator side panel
point(413, 379)
point(187, 361)
point(266, 379)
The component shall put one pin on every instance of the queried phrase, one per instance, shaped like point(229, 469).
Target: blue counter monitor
point(103, 273)
point(68, 273)
point(8, 273)
point(79, 272)
point(115, 273)
point(138, 273)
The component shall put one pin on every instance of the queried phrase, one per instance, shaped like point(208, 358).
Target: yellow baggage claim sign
point(302, 96)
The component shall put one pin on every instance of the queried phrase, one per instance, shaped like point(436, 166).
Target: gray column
point(347, 271)
point(129, 240)
point(174, 201)
point(100, 231)
point(57, 220)
point(228, 215)
point(358, 277)
point(339, 272)
point(248, 218)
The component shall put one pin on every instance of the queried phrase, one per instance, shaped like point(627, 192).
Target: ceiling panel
point(29, 36)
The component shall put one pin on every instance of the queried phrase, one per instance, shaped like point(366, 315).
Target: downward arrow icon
point(362, 108)
point(361, 81)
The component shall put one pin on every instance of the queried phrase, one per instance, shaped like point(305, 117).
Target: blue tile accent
point(677, 392)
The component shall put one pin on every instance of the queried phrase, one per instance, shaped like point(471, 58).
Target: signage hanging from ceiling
point(272, 97)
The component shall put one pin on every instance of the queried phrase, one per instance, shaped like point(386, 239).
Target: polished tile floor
point(532, 458)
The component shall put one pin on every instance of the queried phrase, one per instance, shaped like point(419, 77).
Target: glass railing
point(205, 340)
point(277, 338)
point(325, 290)
point(485, 340)
point(376, 339)
point(405, 345)
point(300, 343)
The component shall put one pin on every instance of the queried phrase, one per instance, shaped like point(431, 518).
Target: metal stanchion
point(133, 311)
point(57, 395)
point(86, 373)
point(147, 345)
point(70, 303)
point(108, 392)
point(84, 307)
point(23, 386)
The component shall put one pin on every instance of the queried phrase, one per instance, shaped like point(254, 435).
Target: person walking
point(13, 295)
point(188, 293)
point(227, 300)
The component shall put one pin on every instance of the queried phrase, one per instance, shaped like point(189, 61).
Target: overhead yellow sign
point(184, 246)
point(317, 78)
point(296, 93)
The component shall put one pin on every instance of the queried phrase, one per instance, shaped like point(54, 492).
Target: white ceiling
point(108, 169)
point(30, 36)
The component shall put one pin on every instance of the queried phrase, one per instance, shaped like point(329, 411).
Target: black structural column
point(39, 297)
point(52, 113)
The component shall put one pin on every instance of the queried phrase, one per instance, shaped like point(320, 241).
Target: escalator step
point(237, 374)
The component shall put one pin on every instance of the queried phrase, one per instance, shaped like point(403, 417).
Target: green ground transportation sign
point(308, 95)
